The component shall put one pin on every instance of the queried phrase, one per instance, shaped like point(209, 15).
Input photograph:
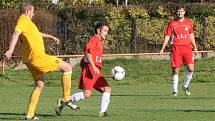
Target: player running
point(91, 76)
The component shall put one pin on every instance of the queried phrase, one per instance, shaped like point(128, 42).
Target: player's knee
point(87, 95)
point(108, 89)
point(190, 70)
point(175, 73)
point(39, 82)
point(40, 86)
point(66, 67)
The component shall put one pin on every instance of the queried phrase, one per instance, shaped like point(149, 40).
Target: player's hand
point(8, 54)
point(196, 51)
point(96, 70)
point(56, 40)
point(161, 52)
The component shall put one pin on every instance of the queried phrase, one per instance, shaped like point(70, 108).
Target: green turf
point(147, 102)
point(144, 95)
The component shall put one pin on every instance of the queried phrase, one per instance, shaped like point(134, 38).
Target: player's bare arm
point(193, 43)
point(14, 39)
point(55, 39)
point(90, 59)
point(166, 39)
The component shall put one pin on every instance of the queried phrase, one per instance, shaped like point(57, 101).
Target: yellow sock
point(33, 102)
point(66, 85)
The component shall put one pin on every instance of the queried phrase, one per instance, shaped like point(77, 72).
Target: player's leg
point(81, 95)
point(188, 74)
point(188, 60)
point(187, 78)
point(86, 83)
point(102, 86)
point(39, 84)
point(83, 81)
point(176, 62)
point(66, 79)
point(75, 97)
point(66, 87)
point(105, 100)
point(51, 63)
point(175, 79)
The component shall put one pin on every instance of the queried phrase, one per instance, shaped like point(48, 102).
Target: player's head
point(102, 29)
point(180, 11)
point(27, 9)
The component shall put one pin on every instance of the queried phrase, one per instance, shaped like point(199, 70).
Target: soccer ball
point(118, 73)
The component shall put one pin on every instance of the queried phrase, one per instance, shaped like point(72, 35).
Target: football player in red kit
point(180, 30)
point(91, 75)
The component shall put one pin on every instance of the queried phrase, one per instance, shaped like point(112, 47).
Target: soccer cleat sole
point(32, 118)
point(58, 110)
point(103, 114)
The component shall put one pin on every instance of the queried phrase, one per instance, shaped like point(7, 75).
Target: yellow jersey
point(32, 44)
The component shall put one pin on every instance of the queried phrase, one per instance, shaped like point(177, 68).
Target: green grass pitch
point(144, 94)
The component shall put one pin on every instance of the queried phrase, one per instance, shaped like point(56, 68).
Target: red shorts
point(181, 55)
point(89, 80)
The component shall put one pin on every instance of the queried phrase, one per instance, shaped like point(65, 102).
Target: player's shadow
point(131, 95)
point(162, 97)
point(83, 115)
point(198, 110)
point(19, 116)
point(8, 116)
point(143, 95)
point(177, 110)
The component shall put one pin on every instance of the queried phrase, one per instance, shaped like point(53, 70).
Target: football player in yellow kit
point(36, 60)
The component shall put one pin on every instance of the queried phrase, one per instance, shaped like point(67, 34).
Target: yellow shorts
point(43, 64)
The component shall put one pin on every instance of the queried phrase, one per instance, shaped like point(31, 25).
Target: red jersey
point(95, 48)
point(180, 31)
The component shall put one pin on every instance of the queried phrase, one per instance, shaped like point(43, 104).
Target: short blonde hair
point(26, 6)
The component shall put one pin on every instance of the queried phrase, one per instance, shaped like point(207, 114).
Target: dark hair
point(100, 25)
point(26, 6)
point(178, 7)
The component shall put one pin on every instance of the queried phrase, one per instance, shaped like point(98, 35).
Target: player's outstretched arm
point(192, 38)
point(166, 39)
point(55, 39)
point(14, 39)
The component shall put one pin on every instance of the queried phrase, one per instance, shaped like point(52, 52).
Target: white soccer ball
point(118, 73)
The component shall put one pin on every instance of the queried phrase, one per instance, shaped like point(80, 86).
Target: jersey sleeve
point(191, 27)
point(90, 46)
point(168, 30)
point(21, 25)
